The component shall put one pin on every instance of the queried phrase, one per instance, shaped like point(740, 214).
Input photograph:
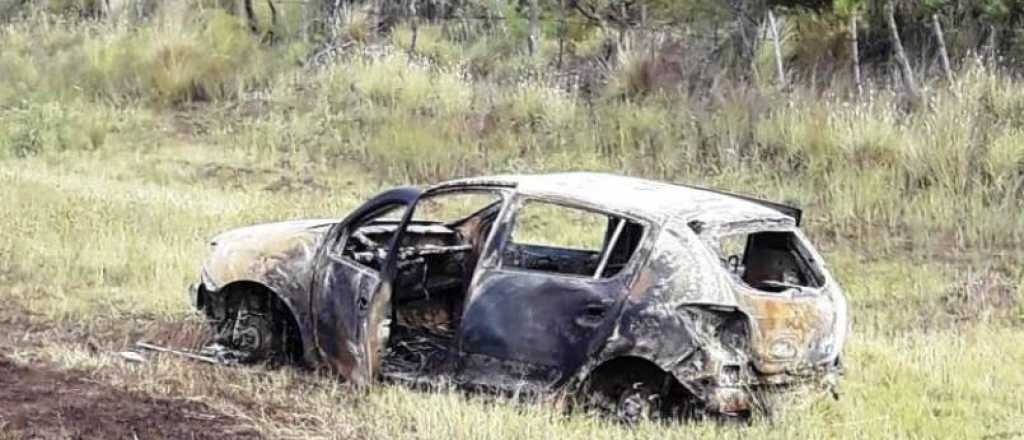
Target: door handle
point(593, 314)
point(362, 302)
point(596, 310)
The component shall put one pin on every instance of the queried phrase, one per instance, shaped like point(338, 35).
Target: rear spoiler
point(796, 213)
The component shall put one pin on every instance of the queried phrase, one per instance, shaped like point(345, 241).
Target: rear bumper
point(731, 401)
point(737, 398)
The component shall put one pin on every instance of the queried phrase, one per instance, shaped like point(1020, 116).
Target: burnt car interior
point(439, 253)
point(770, 261)
point(436, 260)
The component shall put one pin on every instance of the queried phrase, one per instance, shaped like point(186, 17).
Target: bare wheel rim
point(252, 334)
point(637, 403)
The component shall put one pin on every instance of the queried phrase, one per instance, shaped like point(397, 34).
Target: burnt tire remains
point(253, 325)
point(633, 390)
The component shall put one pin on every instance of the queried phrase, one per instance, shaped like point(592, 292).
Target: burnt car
point(642, 297)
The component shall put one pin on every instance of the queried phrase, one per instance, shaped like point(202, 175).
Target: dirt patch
point(298, 184)
point(42, 403)
point(22, 328)
point(38, 401)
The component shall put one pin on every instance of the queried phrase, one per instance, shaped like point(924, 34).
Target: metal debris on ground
point(131, 356)
point(211, 354)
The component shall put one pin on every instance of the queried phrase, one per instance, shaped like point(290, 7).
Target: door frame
point(501, 234)
point(361, 370)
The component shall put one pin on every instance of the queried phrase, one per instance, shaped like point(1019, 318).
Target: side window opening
point(549, 237)
point(772, 261)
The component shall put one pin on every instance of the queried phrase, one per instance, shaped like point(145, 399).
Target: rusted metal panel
point(535, 318)
point(350, 300)
point(673, 318)
point(649, 199)
point(278, 256)
point(674, 305)
point(268, 254)
point(339, 330)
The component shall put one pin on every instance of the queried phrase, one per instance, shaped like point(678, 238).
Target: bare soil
point(42, 403)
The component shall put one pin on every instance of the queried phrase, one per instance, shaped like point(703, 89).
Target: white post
point(943, 55)
point(855, 55)
point(532, 43)
point(778, 49)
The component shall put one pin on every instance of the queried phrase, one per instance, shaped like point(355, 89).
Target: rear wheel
point(638, 402)
point(633, 390)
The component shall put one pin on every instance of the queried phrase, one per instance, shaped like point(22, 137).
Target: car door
point(547, 306)
point(346, 301)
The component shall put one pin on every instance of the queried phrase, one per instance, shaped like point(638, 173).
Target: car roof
point(644, 198)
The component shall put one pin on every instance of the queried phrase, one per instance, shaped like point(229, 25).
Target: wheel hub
point(250, 333)
point(636, 404)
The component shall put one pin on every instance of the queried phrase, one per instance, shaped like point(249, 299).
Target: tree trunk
point(376, 19)
point(943, 54)
point(778, 49)
point(104, 10)
point(562, 30)
point(901, 55)
point(855, 55)
point(991, 45)
point(744, 25)
point(534, 18)
point(304, 21)
point(499, 6)
point(334, 20)
point(414, 24)
point(271, 33)
point(250, 15)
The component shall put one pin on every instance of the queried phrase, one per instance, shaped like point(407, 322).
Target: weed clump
point(982, 296)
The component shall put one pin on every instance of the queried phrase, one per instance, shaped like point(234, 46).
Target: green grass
point(124, 149)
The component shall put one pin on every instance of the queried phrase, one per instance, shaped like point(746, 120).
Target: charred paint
point(675, 306)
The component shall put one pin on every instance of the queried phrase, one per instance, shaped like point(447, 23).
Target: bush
point(184, 56)
point(35, 129)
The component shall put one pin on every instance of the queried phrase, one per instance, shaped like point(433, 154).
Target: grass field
point(113, 175)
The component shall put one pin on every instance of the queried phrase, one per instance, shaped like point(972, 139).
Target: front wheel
point(255, 334)
point(252, 327)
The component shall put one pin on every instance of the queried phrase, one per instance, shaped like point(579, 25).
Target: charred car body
point(641, 296)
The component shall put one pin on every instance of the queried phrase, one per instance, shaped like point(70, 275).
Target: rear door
point(346, 306)
point(548, 296)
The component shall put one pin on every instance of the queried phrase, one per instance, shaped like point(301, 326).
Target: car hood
point(267, 253)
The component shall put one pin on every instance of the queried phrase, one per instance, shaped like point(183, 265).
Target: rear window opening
point(771, 261)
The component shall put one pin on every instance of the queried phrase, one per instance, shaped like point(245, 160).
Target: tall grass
point(946, 173)
point(943, 174)
point(183, 55)
point(123, 148)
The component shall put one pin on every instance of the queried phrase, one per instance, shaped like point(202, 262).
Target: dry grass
point(112, 185)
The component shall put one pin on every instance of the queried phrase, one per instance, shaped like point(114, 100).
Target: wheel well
point(610, 378)
point(226, 301)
